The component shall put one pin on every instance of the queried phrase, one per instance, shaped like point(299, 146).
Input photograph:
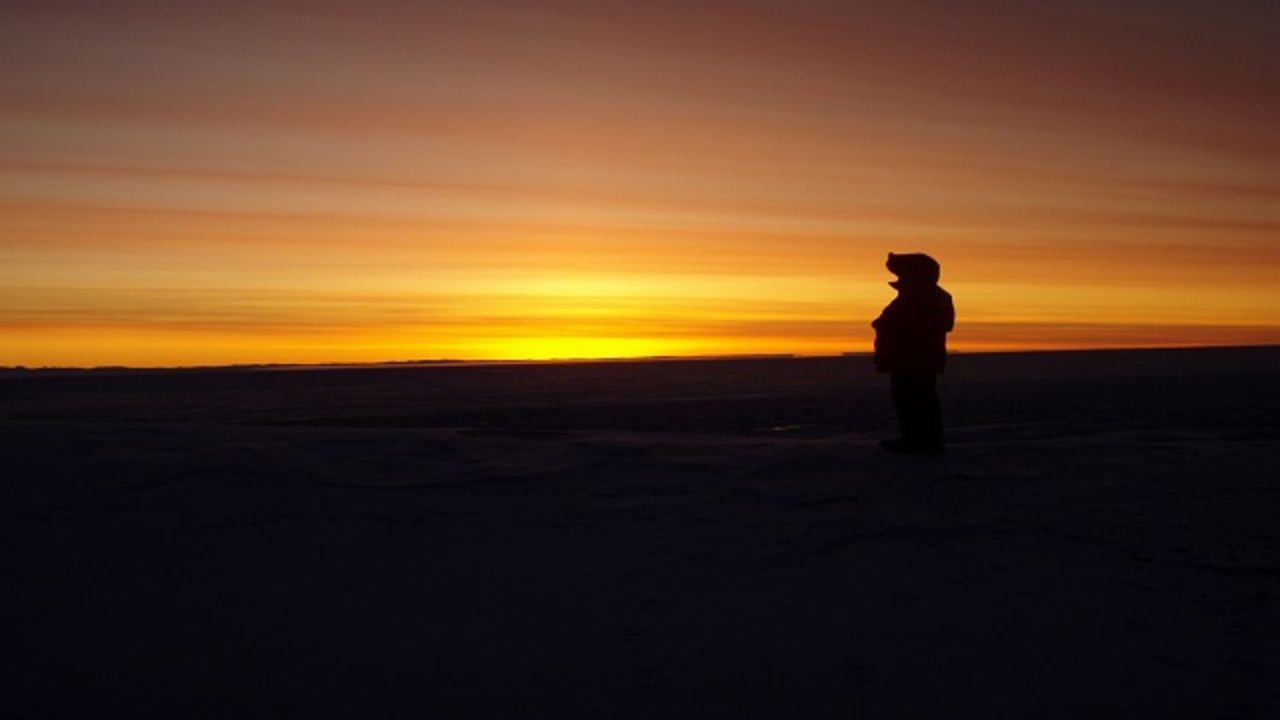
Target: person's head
point(913, 269)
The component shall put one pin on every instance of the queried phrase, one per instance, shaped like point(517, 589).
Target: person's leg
point(931, 434)
point(900, 391)
point(915, 400)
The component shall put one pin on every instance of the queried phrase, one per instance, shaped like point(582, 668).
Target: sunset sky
point(188, 183)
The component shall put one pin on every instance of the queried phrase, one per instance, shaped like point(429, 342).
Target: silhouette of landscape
point(676, 539)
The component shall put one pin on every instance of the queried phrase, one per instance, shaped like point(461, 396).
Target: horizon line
point(9, 370)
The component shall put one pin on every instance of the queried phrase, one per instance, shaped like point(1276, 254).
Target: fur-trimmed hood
point(916, 269)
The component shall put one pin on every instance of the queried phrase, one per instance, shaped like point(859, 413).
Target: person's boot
point(904, 445)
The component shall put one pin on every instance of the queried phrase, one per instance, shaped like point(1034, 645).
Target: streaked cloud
point(371, 179)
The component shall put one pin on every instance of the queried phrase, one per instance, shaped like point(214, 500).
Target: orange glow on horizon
point(546, 179)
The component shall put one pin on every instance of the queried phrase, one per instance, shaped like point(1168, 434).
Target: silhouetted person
point(911, 345)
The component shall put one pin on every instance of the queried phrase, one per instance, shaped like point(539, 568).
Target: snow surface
point(644, 540)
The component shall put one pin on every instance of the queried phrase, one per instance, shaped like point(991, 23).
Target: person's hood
point(913, 269)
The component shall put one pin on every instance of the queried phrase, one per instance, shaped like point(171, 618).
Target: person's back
point(911, 345)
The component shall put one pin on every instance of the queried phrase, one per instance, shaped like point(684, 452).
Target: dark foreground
point(675, 540)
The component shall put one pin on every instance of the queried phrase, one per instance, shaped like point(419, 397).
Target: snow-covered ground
point(644, 540)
